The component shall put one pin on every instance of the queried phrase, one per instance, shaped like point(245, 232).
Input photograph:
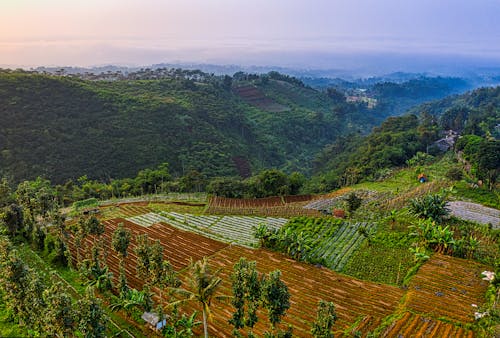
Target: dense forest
point(62, 127)
point(112, 126)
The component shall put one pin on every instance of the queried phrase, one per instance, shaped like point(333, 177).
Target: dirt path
point(475, 212)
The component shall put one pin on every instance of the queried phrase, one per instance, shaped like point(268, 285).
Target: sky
point(288, 33)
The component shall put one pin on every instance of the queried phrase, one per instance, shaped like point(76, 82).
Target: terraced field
point(337, 249)
point(354, 299)
point(447, 287)
point(180, 247)
point(414, 325)
point(253, 96)
point(233, 229)
point(333, 241)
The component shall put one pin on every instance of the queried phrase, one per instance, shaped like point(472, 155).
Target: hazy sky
point(306, 33)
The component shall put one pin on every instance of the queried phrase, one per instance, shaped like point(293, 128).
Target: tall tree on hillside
point(13, 218)
point(142, 251)
point(326, 317)
point(60, 314)
point(488, 161)
point(275, 297)
point(5, 193)
point(247, 287)
point(120, 242)
point(203, 284)
point(92, 318)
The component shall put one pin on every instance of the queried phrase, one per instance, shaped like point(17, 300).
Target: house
point(448, 141)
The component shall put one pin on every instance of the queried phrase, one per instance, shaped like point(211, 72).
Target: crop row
point(332, 241)
point(448, 287)
point(124, 210)
point(307, 285)
point(179, 247)
point(224, 202)
point(414, 325)
point(286, 210)
point(233, 229)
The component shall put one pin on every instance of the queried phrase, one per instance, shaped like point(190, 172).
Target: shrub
point(430, 206)
point(353, 202)
point(454, 174)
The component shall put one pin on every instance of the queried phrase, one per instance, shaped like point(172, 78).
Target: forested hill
point(474, 115)
point(64, 127)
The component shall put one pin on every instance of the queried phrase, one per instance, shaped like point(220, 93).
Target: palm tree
point(203, 285)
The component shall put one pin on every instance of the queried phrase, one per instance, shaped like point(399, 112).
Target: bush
point(454, 174)
point(353, 202)
point(430, 206)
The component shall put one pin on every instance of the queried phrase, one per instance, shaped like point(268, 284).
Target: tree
point(15, 282)
point(94, 226)
point(353, 202)
point(247, 287)
point(5, 193)
point(13, 219)
point(203, 284)
point(326, 317)
point(430, 206)
point(142, 251)
point(60, 314)
point(275, 297)
point(488, 161)
point(92, 319)
point(121, 240)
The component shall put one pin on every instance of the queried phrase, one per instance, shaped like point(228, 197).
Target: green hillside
point(473, 115)
point(63, 127)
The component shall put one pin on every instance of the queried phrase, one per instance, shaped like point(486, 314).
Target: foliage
point(275, 296)
point(353, 202)
point(93, 320)
point(87, 203)
point(385, 260)
point(455, 173)
point(181, 326)
point(437, 237)
point(158, 115)
point(430, 206)
point(246, 286)
point(203, 284)
point(326, 317)
point(121, 240)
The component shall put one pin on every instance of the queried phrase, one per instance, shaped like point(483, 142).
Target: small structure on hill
point(448, 141)
point(153, 320)
point(422, 178)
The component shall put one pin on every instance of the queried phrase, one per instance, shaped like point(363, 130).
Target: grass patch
point(461, 190)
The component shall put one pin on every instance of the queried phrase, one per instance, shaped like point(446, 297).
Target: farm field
point(179, 246)
point(447, 287)
point(414, 325)
point(354, 300)
point(233, 229)
point(331, 241)
point(255, 97)
point(282, 206)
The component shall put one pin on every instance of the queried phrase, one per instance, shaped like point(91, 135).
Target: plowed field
point(413, 325)
point(447, 287)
